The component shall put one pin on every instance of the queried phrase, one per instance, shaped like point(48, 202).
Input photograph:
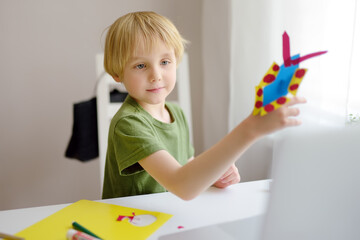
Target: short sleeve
point(134, 138)
point(179, 114)
point(191, 150)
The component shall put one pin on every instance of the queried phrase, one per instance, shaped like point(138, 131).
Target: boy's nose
point(155, 75)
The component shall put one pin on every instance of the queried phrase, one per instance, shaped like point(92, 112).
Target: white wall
point(47, 63)
point(218, 51)
point(216, 57)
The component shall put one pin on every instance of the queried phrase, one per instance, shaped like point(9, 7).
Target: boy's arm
point(190, 180)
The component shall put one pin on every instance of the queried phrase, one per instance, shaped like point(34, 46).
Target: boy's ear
point(117, 79)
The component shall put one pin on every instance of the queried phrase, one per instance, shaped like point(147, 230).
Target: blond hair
point(136, 29)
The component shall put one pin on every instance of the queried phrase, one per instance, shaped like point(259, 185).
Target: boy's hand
point(281, 118)
point(231, 176)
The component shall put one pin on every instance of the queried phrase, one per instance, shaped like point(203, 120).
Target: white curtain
point(354, 77)
point(332, 83)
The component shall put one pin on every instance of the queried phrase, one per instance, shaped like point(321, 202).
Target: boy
point(148, 147)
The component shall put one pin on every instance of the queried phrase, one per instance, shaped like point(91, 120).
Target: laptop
point(314, 195)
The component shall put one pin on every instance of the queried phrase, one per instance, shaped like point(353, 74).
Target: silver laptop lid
point(315, 192)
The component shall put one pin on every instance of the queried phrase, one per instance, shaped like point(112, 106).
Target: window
point(332, 84)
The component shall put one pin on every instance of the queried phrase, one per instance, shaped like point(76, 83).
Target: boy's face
point(150, 76)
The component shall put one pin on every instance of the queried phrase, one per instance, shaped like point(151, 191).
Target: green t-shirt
point(133, 135)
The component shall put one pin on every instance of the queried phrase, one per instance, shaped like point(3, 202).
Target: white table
point(214, 206)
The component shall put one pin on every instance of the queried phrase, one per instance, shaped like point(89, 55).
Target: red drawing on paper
point(138, 220)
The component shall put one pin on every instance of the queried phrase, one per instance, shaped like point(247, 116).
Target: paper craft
point(139, 220)
point(278, 81)
point(100, 218)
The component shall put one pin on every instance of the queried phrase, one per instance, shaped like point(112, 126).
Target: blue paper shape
point(279, 87)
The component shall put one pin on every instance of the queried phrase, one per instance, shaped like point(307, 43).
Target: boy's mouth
point(155, 90)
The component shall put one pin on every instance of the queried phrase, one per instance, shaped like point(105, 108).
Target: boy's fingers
point(296, 100)
point(292, 112)
point(229, 172)
point(226, 178)
point(293, 122)
point(231, 178)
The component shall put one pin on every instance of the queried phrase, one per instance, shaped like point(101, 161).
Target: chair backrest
point(107, 109)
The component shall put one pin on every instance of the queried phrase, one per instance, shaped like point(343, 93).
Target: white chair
point(107, 109)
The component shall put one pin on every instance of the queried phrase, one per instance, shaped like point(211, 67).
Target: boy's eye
point(165, 62)
point(140, 66)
